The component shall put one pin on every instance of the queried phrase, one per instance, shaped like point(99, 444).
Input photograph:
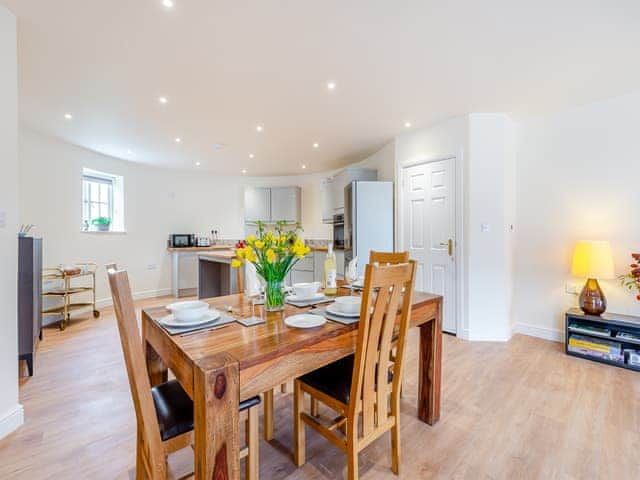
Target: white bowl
point(306, 290)
point(188, 311)
point(348, 304)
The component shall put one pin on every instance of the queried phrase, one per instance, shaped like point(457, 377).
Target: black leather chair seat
point(335, 379)
point(174, 408)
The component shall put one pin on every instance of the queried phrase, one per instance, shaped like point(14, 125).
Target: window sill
point(106, 232)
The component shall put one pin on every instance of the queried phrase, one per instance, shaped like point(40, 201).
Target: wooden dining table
point(218, 368)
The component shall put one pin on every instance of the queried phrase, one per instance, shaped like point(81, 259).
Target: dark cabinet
point(29, 298)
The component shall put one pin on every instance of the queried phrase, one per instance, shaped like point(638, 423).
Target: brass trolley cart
point(69, 288)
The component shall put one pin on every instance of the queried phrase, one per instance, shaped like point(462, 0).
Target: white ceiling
point(226, 66)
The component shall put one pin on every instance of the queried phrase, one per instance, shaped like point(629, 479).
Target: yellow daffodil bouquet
point(273, 253)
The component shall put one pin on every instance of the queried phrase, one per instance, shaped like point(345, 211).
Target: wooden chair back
point(388, 258)
point(386, 289)
point(148, 430)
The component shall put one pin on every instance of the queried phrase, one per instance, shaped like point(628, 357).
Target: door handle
point(449, 245)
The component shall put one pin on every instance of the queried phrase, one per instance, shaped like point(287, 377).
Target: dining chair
point(388, 258)
point(363, 385)
point(164, 413)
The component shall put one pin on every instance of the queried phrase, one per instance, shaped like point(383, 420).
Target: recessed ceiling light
point(168, 3)
point(197, 164)
point(178, 140)
point(244, 170)
point(259, 128)
point(407, 124)
point(163, 100)
point(68, 116)
point(251, 155)
point(331, 85)
point(316, 145)
point(304, 166)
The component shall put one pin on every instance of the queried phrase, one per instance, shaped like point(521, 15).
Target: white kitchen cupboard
point(340, 264)
point(332, 190)
point(285, 204)
point(326, 199)
point(272, 204)
point(257, 204)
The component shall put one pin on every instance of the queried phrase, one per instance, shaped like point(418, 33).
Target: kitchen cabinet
point(340, 264)
point(272, 204)
point(285, 204)
point(332, 190)
point(298, 276)
point(257, 204)
point(326, 199)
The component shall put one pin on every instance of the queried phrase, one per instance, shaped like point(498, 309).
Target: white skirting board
point(11, 420)
point(107, 302)
point(539, 332)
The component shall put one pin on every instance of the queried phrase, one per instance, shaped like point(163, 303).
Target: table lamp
point(593, 260)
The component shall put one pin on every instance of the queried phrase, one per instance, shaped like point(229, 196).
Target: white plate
point(210, 316)
point(334, 311)
point(295, 298)
point(305, 320)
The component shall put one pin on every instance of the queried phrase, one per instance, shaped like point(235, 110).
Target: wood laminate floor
point(512, 410)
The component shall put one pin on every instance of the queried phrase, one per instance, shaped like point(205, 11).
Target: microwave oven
point(182, 240)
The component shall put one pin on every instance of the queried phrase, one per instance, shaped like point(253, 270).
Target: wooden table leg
point(156, 368)
point(430, 369)
point(216, 393)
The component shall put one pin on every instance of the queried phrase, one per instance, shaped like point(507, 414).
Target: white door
point(428, 222)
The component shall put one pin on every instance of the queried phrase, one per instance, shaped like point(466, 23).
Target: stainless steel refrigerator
point(368, 220)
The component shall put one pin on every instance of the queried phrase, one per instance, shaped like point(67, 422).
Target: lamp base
point(592, 299)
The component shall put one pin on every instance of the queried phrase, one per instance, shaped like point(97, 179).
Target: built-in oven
point(338, 231)
point(182, 240)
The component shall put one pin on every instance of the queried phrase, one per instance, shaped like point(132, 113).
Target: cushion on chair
point(174, 408)
point(333, 379)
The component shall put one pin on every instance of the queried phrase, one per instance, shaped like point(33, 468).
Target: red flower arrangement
point(632, 279)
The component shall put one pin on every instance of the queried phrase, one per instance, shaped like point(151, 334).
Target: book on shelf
point(590, 329)
point(595, 347)
point(628, 336)
point(632, 357)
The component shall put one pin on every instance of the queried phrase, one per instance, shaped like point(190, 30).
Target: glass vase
point(273, 296)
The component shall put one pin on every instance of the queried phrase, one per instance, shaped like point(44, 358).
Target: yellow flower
point(235, 263)
point(269, 236)
point(240, 253)
point(251, 239)
point(250, 255)
point(283, 239)
point(299, 249)
point(271, 256)
point(259, 244)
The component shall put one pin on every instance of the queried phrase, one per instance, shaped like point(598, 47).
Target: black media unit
point(594, 335)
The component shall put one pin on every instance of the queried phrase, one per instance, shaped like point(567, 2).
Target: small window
point(102, 202)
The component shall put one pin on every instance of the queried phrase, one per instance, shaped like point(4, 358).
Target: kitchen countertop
point(225, 255)
point(199, 249)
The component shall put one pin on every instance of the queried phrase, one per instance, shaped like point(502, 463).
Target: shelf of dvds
point(611, 338)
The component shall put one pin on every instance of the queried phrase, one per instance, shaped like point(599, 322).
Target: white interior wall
point(577, 178)
point(489, 215)
point(11, 413)
point(157, 202)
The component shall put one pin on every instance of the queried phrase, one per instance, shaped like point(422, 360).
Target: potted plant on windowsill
point(101, 224)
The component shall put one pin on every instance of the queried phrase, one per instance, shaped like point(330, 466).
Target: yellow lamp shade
point(593, 259)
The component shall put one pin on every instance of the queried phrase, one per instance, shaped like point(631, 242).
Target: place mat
point(335, 318)
point(308, 303)
point(218, 322)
